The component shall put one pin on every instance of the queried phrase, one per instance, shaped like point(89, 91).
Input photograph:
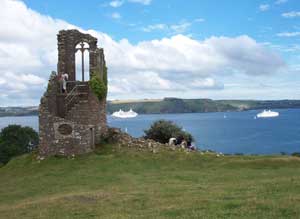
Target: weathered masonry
point(72, 122)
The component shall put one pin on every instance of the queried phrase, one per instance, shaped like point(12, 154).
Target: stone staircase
point(79, 112)
point(78, 94)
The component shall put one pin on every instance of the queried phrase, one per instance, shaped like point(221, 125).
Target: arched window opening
point(82, 60)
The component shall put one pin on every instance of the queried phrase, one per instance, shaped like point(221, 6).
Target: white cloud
point(173, 29)
point(291, 14)
point(116, 3)
point(154, 27)
point(116, 15)
point(146, 81)
point(279, 2)
point(288, 34)
point(180, 28)
point(30, 79)
point(207, 83)
point(199, 20)
point(264, 7)
point(293, 48)
point(166, 67)
point(144, 2)
point(119, 3)
point(20, 83)
point(180, 64)
point(27, 52)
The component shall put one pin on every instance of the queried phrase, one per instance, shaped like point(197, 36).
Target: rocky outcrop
point(116, 136)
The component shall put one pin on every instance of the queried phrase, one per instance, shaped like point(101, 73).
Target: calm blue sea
point(233, 132)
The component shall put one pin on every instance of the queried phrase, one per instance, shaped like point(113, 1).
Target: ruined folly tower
point(72, 122)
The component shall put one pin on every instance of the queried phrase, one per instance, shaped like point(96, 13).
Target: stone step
point(81, 107)
point(79, 98)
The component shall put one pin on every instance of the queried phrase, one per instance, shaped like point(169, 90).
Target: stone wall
point(67, 41)
point(91, 112)
point(124, 140)
point(55, 139)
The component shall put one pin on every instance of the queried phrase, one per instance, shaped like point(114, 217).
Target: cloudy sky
point(215, 49)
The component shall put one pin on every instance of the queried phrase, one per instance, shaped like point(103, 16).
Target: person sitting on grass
point(172, 141)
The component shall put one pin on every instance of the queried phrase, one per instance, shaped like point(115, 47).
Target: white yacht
point(267, 114)
point(125, 114)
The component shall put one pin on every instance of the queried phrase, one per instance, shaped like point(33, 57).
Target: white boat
point(124, 114)
point(267, 114)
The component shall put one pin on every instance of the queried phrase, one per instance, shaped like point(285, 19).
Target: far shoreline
point(166, 113)
point(172, 105)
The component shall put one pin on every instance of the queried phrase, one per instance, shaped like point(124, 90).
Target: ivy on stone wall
point(105, 75)
point(99, 87)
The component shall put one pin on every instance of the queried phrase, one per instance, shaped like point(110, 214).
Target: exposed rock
point(122, 139)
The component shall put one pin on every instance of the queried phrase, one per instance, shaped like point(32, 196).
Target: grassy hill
point(170, 105)
point(125, 183)
point(176, 105)
point(173, 105)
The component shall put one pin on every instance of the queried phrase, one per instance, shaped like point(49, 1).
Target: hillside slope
point(175, 105)
point(126, 183)
point(171, 105)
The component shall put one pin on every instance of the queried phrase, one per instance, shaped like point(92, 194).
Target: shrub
point(239, 154)
point(296, 154)
point(98, 87)
point(163, 130)
point(16, 140)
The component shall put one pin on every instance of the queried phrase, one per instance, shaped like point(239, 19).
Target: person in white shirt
point(64, 78)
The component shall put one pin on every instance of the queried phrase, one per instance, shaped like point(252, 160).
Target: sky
point(214, 49)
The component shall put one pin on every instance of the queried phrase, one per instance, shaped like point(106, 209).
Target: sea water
point(230, 132)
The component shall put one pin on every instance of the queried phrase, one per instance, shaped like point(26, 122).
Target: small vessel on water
point(124, 114)
point(267, 114)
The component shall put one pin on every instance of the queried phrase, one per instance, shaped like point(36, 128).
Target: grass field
point(125, 183)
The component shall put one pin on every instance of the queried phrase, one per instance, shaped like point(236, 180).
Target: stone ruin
point(73, 122)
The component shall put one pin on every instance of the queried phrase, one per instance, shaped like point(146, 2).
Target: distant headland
point(173, 105)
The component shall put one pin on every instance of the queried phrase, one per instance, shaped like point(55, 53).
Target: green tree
point(163, 130)
point(16, 140)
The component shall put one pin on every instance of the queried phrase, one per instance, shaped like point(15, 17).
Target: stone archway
point(82, 62)
point(67, 42)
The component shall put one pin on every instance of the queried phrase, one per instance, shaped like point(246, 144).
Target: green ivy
point(98, 86)
point(105, 75)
